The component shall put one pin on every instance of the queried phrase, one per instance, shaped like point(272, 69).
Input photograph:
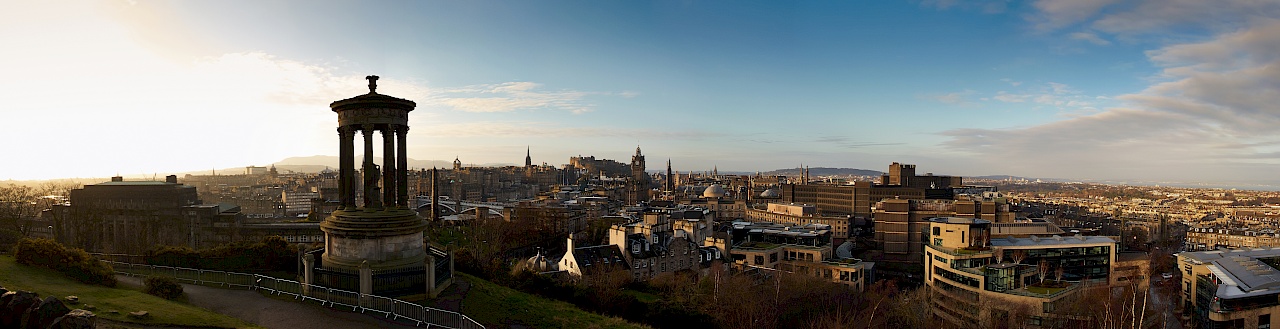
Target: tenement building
point(1036, 278)
point(1231, 289)
point(661, 241)
point(1214, 237)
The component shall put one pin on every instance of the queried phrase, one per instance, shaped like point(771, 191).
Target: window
point(1264, 321)
point(759, 260)
point(937, 231)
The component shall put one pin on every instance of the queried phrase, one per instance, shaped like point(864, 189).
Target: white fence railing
point(387, 307)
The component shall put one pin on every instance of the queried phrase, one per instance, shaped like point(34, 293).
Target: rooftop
point(1056, 240)
point(135, 183)
point(1244, 272)
point(959, 220)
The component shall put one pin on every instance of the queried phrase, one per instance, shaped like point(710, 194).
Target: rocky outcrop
point(25, 310)
point(15, 307)
point(40, 316)
point(76, 319)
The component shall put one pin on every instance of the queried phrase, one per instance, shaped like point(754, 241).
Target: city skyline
point(1142, 90)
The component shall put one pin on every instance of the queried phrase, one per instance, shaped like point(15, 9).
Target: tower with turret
point(639, 182)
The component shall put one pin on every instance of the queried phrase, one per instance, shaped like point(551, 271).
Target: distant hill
point(316, 163)
point(1002, 177)
point(823, 171)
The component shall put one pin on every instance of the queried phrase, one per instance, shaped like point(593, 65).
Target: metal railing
point(387, 307)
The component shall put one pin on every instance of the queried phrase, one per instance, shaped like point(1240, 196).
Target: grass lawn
point(162, 312)
point(496, 306)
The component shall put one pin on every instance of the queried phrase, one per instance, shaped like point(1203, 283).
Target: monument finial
point(373, 83)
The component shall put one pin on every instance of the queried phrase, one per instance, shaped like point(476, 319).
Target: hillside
point(497, 306)
point(111, 303)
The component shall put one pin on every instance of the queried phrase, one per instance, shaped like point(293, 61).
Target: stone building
point(802, 214)
point(133, 216)
point(638, 184)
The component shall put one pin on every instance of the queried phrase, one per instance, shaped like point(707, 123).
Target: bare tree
point(1018, 256)
point(19, 204)
point(999, 253)
point(1057, 274)
point(1003, 313)
point(1042, 270)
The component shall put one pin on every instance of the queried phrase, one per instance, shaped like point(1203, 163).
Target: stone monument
point(380, 232)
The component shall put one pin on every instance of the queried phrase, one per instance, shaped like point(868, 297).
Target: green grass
point(1043, 290)
point(496, 306)
point(643, 297)
point(162, 312)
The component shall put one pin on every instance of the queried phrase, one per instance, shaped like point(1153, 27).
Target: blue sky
point(1086, 89)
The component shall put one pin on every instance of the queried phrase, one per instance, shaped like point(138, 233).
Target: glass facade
point(1078, 263)
point(1000, 279)
point(956, 277)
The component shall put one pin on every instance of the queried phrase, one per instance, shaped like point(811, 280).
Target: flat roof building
point(968, 269)
point(1231, 289)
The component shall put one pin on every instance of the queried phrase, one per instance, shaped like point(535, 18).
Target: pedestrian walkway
point(272, 313)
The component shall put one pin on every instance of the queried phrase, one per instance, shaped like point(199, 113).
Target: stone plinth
point(387, 239)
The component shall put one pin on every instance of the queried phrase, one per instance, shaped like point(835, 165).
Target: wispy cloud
point(1056, 14)
point(1091, 38)
point(1211, 106)
point(953, 98)
point(984, 6)
point(851, 143)
point(517, 96)
point(1051, 94)
point(1142, 17)
point(547, 129)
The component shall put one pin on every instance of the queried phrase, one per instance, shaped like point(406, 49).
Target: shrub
point(164, 287)
point(273, 253)
point(8, 238)
point(73, 262)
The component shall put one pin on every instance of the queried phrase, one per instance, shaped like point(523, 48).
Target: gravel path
point(272, 313)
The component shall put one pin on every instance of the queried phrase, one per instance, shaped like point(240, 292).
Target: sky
point(1160, 90)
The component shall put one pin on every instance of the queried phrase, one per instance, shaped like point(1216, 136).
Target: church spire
point(528, 159)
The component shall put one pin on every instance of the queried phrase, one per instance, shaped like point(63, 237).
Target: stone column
point(346, 168)
point(435, 195)
point(368, 165)
point(431, 273)
point(388, 166)
point(402, 178)
point(366, 278)
point(308, 262)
